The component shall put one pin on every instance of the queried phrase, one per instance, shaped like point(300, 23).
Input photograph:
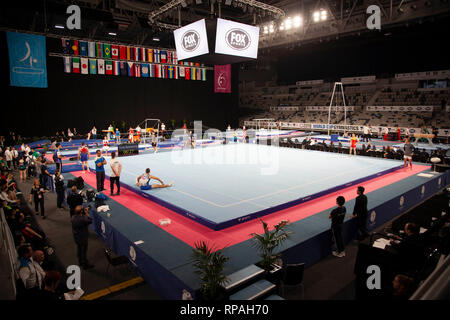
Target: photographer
point(80, 229)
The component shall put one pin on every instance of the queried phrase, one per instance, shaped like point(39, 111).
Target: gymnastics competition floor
point(229, 184)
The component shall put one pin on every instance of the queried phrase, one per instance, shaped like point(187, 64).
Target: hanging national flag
point(150, 55)
point(101, 66)
point(84, 66)
point(156, 58)
point(130, 69)
point(151, 70)
point(99, 50)
point(158, 72)
point(75, 47)
point(144, 70)
point(199, 74)
point(132, 54)
point(197, 64)
point(137, 70)
point(76, 65)
point(137, 54)
point(123, 68)
point(106, 50)
point(193, 73)
point(204, 74)
point(169, 57)
point(65, 46)
point(171, 73)
point(115, 52)
point(181, 71)
point(191, 64)
point(116, 67)
point(93, 66)
point(174, 57)
point(163, 55)
point(109, 67)
point(122, 53)
point(175, 72)
point(67, 64)
point(144, 54)
point(187, 73)
point(83, 48)
point(128, 57)
point(91, 49)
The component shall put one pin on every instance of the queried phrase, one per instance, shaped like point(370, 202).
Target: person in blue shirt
point(117, 135)
point(100, 171)
point(143, 181)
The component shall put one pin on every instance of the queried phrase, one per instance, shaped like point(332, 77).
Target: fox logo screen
point(190, 40)
point(238, 39)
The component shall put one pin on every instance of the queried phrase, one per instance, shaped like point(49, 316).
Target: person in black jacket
point(360, 213)
point(410, 248)
point(58, 179)
point(74, 199)
point(337, 216)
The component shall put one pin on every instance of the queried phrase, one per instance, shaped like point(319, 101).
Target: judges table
point(385, 258)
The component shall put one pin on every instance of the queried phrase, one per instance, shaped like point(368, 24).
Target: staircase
point(248, 284)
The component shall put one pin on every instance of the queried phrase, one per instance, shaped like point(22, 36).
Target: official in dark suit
point(73, 200)
point(360, 213)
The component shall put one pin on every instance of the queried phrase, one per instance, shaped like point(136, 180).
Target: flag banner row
point(93, 49)
point(132, 69)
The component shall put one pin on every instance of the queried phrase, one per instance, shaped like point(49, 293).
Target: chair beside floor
point(292, 278)
point(114, 261)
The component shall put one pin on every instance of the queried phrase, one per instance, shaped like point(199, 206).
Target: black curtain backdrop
point(81, 101)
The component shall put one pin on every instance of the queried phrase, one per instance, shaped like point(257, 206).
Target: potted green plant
point(209, 265)
point(267, 242)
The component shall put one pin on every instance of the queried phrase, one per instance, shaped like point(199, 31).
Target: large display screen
point(191, 40)
point(237, 39)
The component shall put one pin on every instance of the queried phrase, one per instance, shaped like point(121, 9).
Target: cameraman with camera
point(80, 229)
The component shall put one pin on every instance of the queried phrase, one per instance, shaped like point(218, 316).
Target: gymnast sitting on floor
point(143, 181)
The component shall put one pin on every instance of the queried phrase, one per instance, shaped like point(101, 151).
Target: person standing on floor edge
point(116, 168)
point(337, 221)
point(100, 171)
point(360, 213)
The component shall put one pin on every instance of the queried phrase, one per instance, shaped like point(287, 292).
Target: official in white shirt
point(116, 169)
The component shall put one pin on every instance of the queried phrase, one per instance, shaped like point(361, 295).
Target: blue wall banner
point(27, 60)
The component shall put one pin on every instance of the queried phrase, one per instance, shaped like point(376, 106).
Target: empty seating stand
point(246, 284)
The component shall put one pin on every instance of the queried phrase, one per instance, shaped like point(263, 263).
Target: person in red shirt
point(353, 142)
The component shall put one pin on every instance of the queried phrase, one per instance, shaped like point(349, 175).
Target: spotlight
point(266, 30)
point(288, 23)
point(316, 16)
point(155, 39)
point(58, 26)
point(271, 28)
point(320, 15)
point(282, 26)
point(297, 21)
point(112, 33)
